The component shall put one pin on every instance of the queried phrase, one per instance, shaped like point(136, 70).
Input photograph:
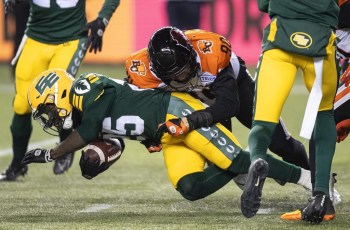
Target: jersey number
point(60, 3)
point(125, 125)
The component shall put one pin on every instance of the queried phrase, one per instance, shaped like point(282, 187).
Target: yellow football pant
point(189, 153)
point(37, 57)
point(276, 74)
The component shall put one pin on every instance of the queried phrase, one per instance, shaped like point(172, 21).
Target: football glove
point(343, 129)
point(345, 78)
point(91, 169)
point(176, 127)
point(37, 156)
point(152, 146)
point(97, 28)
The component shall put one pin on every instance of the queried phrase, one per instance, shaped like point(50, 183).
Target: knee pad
point(20, 105)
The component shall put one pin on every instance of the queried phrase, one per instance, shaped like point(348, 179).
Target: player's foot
point(251, 196)
point(316, 210)
point(296, 215)
point(12, 172)
point(63, 163)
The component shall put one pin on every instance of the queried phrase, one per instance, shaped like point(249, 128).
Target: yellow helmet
point(48, 97)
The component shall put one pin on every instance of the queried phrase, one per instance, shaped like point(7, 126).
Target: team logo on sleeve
point(82, 87)
point(138, 67)
point(301, 40)
point(205, 46)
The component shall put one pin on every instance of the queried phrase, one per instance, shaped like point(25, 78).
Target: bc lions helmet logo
point(138, 67)
point(205, 46)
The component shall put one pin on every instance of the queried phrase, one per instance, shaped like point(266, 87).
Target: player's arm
point(97, 27)
point(226, 106)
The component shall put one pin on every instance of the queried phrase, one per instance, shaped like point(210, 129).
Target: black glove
point(96, 27)
point(9, 5)
point(152, 146)
point(91, 169)
point(37, 156)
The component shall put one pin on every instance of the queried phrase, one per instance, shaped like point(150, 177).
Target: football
point(103, 151)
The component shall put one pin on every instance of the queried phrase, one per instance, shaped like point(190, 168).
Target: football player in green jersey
point(57, 36)
point(299, 36)
point(101, 107)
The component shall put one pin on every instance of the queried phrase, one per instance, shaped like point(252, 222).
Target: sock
point(260, 138)
point(282, 170)
point(324, 136)
point(21, 129)
point(305, 179)
point(240, 164)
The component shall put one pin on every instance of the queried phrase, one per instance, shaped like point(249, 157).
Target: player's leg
point(324, 133)
point(31, 62)
point(275, 78)
point(282, 143)
point(68, 56)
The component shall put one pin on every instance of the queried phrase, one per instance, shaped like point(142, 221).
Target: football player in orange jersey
point(202, 63)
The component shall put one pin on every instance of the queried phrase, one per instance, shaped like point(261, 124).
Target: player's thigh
point(180, 161)
point(275, 78)
point(69, 56)
point(33, 60)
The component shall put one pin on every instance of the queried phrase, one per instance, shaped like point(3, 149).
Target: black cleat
point(251, 196)
point(63, 163)
point(318, 207)
point(12, 172)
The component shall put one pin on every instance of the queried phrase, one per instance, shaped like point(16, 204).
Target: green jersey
point(320, 11)
point(110, 107)
point(55, 22)
point(299, 26)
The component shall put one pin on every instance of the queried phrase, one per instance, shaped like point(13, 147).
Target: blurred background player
point(57, 36)
point(299, 36)
point(185, 14)
point(202, 63)
point(109, 108)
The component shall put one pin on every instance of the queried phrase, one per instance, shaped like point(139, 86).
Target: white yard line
point(96, 208)
point(40, 144)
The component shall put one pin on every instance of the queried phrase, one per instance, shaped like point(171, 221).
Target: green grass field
point(135, 192)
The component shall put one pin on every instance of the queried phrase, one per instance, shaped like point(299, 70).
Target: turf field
point(135, 193)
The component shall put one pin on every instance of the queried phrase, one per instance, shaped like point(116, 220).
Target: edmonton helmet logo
point(301, 40)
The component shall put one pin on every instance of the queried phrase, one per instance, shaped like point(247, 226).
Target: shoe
point(251, 196)
point(316, 210)
point(334, 195)
point(296, 215)
point(63, 163)
point(240, 180)
point(12, 172)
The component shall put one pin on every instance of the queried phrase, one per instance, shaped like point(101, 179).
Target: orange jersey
point(213, 54)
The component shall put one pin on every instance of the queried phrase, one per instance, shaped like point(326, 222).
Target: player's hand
point(91, 169)
point(152, 146)
point(176, 127)
point(97, 28)
point(345, 78)
point(37, 156)
point(343, 129)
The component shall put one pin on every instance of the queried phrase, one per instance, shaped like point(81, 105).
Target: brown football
point(103, 151)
